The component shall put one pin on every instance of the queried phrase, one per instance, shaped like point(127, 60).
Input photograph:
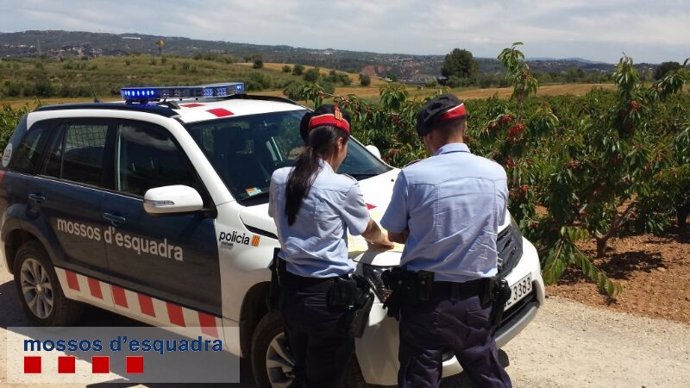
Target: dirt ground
point(654, 272)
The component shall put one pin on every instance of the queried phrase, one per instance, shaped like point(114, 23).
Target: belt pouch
point(487, 291)
point(341, 295)
point(425, 282)
point(277, 268)
point(360, 316)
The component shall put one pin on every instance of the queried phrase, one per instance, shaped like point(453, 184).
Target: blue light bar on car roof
point(143, 94)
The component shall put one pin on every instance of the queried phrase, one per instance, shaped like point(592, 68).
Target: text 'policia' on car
point(156, 208)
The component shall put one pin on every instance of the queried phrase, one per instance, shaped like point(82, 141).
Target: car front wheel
point(39, 289)
point(272, 361)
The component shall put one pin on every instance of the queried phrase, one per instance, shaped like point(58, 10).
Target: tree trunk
point(601, 246)
point(682, 213)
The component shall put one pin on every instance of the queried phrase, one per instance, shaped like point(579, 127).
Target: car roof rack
point(150, 108)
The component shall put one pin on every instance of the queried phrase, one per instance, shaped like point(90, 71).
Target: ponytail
point(299, 182)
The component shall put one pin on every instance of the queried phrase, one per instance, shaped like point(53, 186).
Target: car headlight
point(372, 274)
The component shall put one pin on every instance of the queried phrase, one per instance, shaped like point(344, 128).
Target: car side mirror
point(172, 199)
point(374, 150)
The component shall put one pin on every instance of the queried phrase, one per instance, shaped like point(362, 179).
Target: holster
point(278, 268)
point(406, 287)
point(353, 296)
point(360, 314)
point(501, 294)
point(342, 294)
point(487, 292)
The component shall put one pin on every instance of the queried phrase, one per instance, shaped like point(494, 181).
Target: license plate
point(519, 290)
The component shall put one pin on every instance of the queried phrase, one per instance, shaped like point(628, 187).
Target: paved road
point(568, 345)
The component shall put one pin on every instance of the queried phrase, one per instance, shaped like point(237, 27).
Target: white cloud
point(656, 30)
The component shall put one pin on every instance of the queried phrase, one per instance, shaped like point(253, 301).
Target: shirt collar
point(325, 166)
point(452, 147)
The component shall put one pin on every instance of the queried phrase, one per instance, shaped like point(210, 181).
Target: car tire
point(270, 354)
point(39, 290)
point(272, 362)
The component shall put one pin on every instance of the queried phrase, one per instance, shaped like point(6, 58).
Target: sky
point(599, 30)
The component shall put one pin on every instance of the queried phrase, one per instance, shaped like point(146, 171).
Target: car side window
point(246, 150)
point(77, 155)
point(287, 144)
point(29, 154)
point(147, 157)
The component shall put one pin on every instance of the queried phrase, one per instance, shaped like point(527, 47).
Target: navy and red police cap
point(441, 108)
point(325, 115)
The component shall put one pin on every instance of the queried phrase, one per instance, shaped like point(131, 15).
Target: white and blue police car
point(155, 208)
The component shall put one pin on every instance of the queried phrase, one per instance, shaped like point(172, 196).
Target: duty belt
point(410, 288)
point(299, 281)
point(457, 290)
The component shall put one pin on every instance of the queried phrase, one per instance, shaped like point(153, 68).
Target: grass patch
point(31, 82)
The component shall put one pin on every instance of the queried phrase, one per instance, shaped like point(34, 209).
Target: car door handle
point(114, 220)
point(37, 197)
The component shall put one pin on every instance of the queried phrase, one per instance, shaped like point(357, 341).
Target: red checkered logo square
point(134, 364)
point(32, 364)
point(66, 364)
point(100, 364)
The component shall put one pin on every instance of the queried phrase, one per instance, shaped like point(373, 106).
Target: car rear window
point(29, 154)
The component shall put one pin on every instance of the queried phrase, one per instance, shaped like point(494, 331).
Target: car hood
point(377, 193)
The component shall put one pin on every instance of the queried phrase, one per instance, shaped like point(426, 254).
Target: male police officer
point(447, 210)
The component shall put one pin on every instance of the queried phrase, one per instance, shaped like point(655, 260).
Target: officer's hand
point(382, 241)
point(377, 236)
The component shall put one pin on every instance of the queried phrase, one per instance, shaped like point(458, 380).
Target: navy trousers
point(318, 336)
point(460, 324)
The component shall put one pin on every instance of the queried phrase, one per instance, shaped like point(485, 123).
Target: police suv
point(156, 208)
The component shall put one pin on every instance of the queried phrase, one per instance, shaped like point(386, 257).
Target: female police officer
point(314, 208)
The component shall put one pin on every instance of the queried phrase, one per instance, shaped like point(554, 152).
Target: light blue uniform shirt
point(316, 244)
point(452, 203)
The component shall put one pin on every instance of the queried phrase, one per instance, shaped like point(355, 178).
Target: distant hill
point(411, 68)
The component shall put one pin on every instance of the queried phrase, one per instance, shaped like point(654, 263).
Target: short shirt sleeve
point(354, 211)
point(502, 191)
point(396, 215)
point(272, 197)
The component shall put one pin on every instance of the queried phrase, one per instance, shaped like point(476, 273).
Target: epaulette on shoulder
point(412, 162)
point(349, 176)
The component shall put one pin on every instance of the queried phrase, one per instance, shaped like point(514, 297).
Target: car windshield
point(245, 150)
